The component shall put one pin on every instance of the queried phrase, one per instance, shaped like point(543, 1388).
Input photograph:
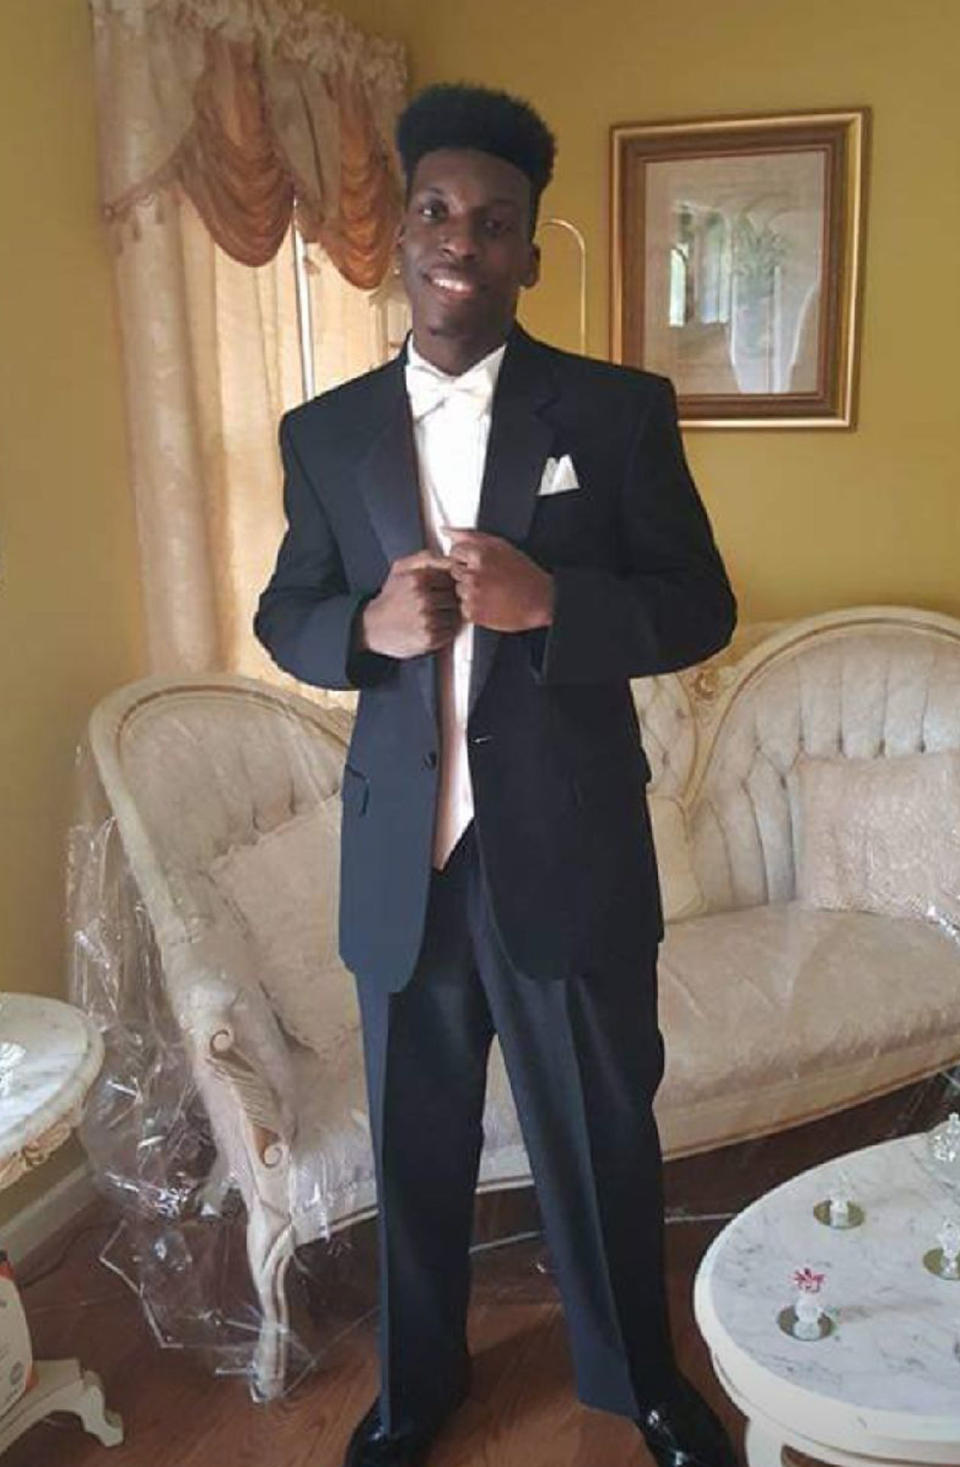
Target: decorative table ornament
point(943, 1149)
point(805, 1319)
point(839, 1209)
point(943, 1261)
point(10, 1056)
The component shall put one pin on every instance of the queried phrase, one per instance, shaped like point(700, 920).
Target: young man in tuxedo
point(489, 538)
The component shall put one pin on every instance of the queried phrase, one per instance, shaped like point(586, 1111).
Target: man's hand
point(416, 610)
point(498, 586)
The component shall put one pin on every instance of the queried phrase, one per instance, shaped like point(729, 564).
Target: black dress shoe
point(682, 1431)
point(372, 1446)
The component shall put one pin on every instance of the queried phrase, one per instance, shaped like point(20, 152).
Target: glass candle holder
point(945, 1260)
point(11, 1055)
point(943, 1150)
point(839, 1210)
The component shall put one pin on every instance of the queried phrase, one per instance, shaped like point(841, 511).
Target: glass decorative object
point(945, 1260)
point(10, 1056)
point(805, 1318)
point(943, 1150)
point(839, 1210)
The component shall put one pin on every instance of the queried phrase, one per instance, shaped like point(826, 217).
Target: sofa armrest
point(237, 1045)
point(268, 1118)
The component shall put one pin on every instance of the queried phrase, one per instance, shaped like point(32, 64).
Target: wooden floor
point(522, 1411)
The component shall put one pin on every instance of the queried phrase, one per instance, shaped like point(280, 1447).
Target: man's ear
point(532, 273)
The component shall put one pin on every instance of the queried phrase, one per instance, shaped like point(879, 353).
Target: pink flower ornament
point(807, 1281)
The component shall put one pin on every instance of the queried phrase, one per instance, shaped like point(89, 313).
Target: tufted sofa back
point(198, 767)
point(872, 683)
point(218, 763)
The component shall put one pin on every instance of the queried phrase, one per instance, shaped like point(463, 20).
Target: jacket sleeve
point(671, 604)
point(306, 616)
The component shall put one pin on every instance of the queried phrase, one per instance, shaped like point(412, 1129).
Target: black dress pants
point(584, 1058)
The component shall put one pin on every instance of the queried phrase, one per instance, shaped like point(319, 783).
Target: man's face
point(465, 252)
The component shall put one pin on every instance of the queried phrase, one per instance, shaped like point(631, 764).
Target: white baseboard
point(27, 1229)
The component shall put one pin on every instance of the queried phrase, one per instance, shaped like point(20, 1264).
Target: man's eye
point(432, 210)
point(497, 226)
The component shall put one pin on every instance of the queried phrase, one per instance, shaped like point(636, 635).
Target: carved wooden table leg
point(62, 1386)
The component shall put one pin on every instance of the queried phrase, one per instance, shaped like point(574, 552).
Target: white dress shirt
point(451, 420)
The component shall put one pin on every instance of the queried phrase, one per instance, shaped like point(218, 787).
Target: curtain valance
point(254, 108)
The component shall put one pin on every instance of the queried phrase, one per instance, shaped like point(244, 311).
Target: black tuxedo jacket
point(556, 762)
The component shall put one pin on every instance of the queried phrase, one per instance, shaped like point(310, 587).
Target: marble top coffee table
point(50, 1055)
point(884, 1385)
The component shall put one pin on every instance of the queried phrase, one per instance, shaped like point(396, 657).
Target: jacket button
point(430, 759)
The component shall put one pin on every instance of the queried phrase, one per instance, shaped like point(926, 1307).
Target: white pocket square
point(559, 476)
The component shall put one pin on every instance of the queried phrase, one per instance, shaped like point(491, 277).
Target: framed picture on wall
point(737, 254)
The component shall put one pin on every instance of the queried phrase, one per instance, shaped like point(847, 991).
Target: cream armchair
point(226, 795)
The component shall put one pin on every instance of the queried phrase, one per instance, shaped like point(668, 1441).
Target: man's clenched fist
point(416, 611)
point(497, 585)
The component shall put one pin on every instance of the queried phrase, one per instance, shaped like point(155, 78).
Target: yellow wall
point(808, 520)
point(69, 608)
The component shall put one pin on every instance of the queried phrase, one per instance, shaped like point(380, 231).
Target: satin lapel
point(520, 442)
point(388, 470)
point(388, 481)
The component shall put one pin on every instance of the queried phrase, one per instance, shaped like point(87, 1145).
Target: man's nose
point(460, 239)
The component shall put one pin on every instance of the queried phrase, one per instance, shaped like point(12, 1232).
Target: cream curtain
point(218, 120)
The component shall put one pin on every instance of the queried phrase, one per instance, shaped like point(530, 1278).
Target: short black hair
point(456, 115)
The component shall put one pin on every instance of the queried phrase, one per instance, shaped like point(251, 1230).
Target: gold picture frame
point(737, 263)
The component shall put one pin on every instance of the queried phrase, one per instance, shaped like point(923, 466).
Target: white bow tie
point(428, 388)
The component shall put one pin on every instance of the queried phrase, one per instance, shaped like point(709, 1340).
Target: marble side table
point(884, 1385)
point(50, 1054)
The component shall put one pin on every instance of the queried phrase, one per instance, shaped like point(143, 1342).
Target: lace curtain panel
point(221, 121)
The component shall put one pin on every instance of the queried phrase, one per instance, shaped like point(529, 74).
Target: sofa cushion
point(863, 685)
point(879, 835)
point(283, 889)
point(769, 1015)
point(780, 1012)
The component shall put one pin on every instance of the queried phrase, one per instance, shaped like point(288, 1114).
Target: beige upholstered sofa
point(226, 796)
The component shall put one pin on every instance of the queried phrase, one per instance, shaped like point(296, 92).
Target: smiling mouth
point(453, 287)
